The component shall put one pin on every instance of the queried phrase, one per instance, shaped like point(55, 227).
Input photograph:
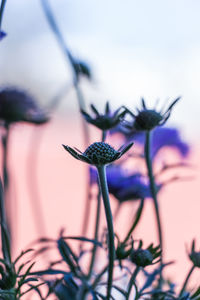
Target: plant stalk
point(96, 233)
point(154, 195)
point(111, 246)
point(186, 280)
point(137, 218)
point(132, 282)
point(5, 237)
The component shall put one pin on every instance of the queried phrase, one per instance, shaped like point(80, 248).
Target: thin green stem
point(104, 133)
point(5, 238)
point(186, 280)
point(6, 183)
point(154, 194)
point(111, 245)
point(5, 140)
point(96, 233)
point(137, 218)
point(99, 277)
point(3, 3)
point(132, 282)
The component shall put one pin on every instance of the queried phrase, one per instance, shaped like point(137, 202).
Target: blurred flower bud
point(18, 106)
point(195, 256)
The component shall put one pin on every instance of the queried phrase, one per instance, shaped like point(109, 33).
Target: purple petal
point(2, 35)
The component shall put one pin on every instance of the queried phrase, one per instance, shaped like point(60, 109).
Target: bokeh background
point(134, 48)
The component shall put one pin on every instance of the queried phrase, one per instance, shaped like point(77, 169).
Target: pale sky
point(135, 48)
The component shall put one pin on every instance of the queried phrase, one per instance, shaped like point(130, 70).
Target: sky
point(135, 49)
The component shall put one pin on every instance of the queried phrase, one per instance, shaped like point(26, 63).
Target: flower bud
point(147, 120)
point(141, 257)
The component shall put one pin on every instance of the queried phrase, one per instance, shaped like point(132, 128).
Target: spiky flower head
point(147, 119)
point(145, 257)
point(195, 255)
point(107, 120)
point(123, 249)
point(98, 153)
point(18, 106)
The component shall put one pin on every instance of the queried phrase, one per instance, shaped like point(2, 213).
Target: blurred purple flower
point(124, 186)
point(18, 106)
point(161, 137)
point(2, 35)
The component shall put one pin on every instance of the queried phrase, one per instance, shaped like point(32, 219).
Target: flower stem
point(111, 245)
point(104, 133)
point(132, 282)
point(6, 205)
point(5, 237)
point(154, 194)
point(96, 233)
point(137, 218)
point(186, 280)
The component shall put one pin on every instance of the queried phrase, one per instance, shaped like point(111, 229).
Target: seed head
point(104, 152)
point(98, 153)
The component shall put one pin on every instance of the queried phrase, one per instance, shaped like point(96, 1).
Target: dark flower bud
point(145, 257)
point(141, 258)
point(82, 69)
point(104, 121)
point(122, 251)
point(147, 120)
point(19, 106)
point(195, 256)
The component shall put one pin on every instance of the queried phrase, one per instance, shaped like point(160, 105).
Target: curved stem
point(186, 280)
point(137, 218)
point(132, 282)
point(5, 237)
point(99, 277)
point(154, 194)
point(96, 233)
point(111, 245)
point(87, 209)
point(6, 182)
